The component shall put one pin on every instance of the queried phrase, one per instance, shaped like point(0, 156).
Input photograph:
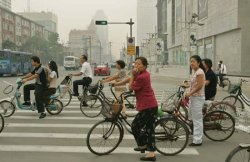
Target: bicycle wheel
point(218, 125)
point(233, 100)
point(91, 106)
point(7, 108)
point(223, 106)
point(104, 137)
point(226, 84)
point(66, 97)
point(1, 123)
point(239, 154)
point(55, 107)
point(171, 136)
point(130, 104)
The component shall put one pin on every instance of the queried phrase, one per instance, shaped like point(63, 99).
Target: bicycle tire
point(55, 107)
point(171, 136)
point(107, 131)
point(7, 108)
point(1, 123)
point(233, 100)
point(239, 154)
point(226, 84)
point(66, 98)
point(130, 104)
point(93, 107)
point(218, 123)
point(223, 106)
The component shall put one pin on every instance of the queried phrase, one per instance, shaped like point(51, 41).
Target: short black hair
point(144, 61)
point(85, 57)
point(121, 63)
point(208, 62)
point(36, 59)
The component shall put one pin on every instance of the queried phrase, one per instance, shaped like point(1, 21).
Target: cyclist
point(147, 106)
point(39, 73)
point(52, 78)
point(86, 74)
point(118, 77)
point(211, 80)
point(222, 71)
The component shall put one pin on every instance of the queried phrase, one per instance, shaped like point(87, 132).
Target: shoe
point(141, 148)
point(26, 104)
point(195, 144)
point(148, 158)
point(75, 94)
point(84, 104)
point(42, 115)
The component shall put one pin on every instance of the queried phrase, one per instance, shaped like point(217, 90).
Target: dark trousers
point(221, 76)
point(143, 128)
point(48, 92)
point(39, 92)
point(84, 82)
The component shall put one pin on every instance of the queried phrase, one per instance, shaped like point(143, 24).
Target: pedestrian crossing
point(63, 133)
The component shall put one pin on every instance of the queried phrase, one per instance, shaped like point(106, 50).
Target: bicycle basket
point(66, 81)
point(111, 110)
point(93, 88)
point(233, 88)
point(63, 88)
point(169, 100)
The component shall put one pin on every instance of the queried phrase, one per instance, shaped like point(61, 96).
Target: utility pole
point(110, 45)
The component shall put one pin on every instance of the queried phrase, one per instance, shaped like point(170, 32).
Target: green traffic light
point(103, 22)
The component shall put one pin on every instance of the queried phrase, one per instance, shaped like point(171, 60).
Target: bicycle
point(8, 105)
point(237, 97)
point(240, 154)
point(225, 82)
point(171, 135)
point(214, 114)
point(1, 123)
point(99, 100)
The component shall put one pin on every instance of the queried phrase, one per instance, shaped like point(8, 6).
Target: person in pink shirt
point(146, 106)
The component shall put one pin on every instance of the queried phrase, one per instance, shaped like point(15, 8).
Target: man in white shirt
point(222, 71)
point(86, 73)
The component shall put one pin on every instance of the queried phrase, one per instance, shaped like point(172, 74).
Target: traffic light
point(101, 22)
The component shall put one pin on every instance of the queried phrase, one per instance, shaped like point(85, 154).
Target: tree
point(7, 44)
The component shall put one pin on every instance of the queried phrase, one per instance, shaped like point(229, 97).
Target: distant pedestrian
point(222, 71)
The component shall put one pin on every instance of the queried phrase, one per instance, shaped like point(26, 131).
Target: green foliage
point(9, 45)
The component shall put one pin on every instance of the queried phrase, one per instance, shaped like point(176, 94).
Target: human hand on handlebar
point(24, 81)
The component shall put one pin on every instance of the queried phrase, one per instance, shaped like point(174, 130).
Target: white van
point(71, 62)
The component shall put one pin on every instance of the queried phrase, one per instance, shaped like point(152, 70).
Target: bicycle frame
point(240, 95)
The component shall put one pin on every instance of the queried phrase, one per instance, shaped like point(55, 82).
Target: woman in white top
point(52, 79)
point(197, 98)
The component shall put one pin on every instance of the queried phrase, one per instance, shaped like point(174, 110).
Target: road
point(62, 138)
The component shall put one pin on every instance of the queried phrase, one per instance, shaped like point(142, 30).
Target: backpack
point(47, 73)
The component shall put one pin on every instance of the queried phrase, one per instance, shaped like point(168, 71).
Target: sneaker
point(84, 104)
point(26, 103)
point(42, 115)
point(75, 94)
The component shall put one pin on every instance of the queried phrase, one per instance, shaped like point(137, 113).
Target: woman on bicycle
point(52, 79)
point(197, 98)
point(118, 77)
point(146, 106)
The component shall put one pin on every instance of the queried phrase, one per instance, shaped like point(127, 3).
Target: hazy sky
point(77, 14)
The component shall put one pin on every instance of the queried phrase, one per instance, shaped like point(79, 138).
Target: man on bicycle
point(86, 74)
point(222, 71)
point(39, 73)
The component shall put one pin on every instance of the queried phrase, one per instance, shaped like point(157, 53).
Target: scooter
point(8, 105)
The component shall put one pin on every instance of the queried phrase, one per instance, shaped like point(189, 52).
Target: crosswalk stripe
point(75, 149)
point(39, 125)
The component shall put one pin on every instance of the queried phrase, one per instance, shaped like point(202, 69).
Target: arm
point(200, 82)
point(136, 84)
point(123, 82)
point(30, 78)
point(27, 76)
point(111, 78)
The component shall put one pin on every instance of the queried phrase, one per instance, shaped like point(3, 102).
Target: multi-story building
point(146, 19)
point(18, 29)
point(48, 19)
point(221, 31)
point(5, 4)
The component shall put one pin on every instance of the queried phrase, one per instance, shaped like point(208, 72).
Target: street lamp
point(100, 52)
point(88, 38)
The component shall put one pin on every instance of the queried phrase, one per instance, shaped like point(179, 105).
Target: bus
point(71, 62)
point(15, 62)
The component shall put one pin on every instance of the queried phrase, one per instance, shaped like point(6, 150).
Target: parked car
point(101, 70)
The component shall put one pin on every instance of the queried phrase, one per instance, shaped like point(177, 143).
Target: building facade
point(221, 30)
point(48, 19)
point(5, 4)
point(17, 29)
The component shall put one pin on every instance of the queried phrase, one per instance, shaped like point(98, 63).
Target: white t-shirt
point(223, 69)
point(53, 81)
point(86, 70)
